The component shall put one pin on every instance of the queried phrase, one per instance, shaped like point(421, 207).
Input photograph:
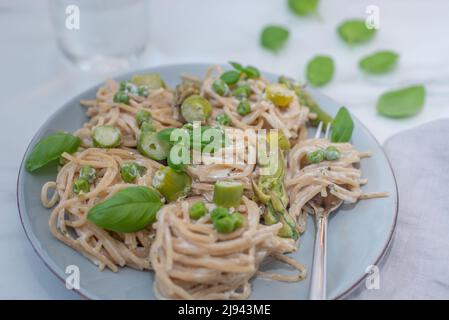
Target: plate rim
point(84, 292)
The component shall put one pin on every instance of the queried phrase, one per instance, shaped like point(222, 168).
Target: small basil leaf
point(251, 72)
point(320, 70)
point(303, 7)
point(402, 103)
point(274, 37)
point(129, 210)
point(237, 66)
point(354, 31)
point(230, 77)
point(51, 148)
point(379, 62)
point(342, 126)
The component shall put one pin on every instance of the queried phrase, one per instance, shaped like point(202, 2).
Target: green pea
point(128, 87)
point(315, 156)
point(242, 92)
point(81, 185)
point(223, 119)
point(148, 126)
point(331, 153)
point(197, 210)
point(220, 87)
point(244, 108)
point(88, 173)
point(142, 91)
point(224, 224)
point(123, 85)
point(218, 213)
point(121, 97)
point(237, 220)
point(129, 171)
point(142, 116)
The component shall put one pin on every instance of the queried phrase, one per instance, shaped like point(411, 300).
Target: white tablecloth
point(35, 80)
point(416, 266)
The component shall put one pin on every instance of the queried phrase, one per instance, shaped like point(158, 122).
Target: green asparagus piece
point(270, 191)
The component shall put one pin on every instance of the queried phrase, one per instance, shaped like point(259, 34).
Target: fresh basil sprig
point(248, 71)
point(379, 62)
point(320, 70)
point(129, 210)
point(51, 148)
point(274, 37)
point(354, 31)
point(342, 126)
point(402, 103)
point(303, 7)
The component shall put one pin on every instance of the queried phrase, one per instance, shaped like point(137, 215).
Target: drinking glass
point(105, 35)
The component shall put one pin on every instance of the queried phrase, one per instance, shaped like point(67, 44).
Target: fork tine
point(328, 129)
point(318, 130)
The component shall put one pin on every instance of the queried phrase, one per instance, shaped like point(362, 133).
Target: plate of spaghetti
point(201, 182)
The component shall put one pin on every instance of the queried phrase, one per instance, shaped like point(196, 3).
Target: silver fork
point(318, 278)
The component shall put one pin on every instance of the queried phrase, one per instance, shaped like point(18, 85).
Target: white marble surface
point(35, 80)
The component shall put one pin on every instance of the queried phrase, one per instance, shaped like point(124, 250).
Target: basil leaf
point(129, 210)
point(251, 72)
point(354, 31)
point(274, 37)
point(230, 77)
point(379, 62)
point(320, 70)
point(51, 148)
point(237, 66)
point(402, 103)
point(342, 126)
point(303, 7)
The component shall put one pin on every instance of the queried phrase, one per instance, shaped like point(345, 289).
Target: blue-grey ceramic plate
point(359, 235)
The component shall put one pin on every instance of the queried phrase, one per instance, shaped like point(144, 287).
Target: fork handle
point(318, 279)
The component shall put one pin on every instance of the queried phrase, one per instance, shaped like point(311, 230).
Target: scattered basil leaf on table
point(320, 70)
point(274, 37)
point(354, 31)
point(402, 103)
point(50, 148)
point(342, 126)
point(129, 210)
point(303, 7)
point(379, 62)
